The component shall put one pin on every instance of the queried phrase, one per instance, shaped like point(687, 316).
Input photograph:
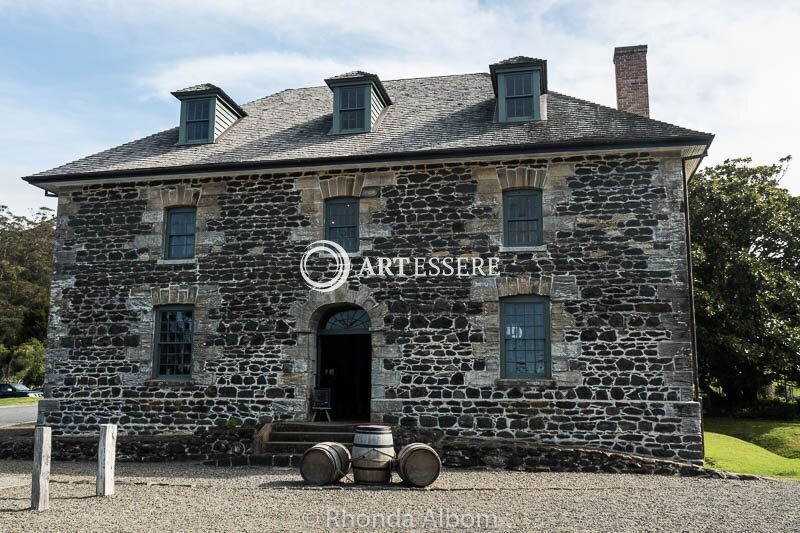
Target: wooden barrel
point(418, 464)
point(325, 463)
point(373, 453)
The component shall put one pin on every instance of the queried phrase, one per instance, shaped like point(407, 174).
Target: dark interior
point(345, 368)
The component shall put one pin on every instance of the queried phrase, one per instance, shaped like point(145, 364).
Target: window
point(518, 96)
point(525, 325)
point(174, 341)
point(350, 109)
point(341, 222)
point(522, 213)
point(348, 321)
point(197, 122)
point(180, 233)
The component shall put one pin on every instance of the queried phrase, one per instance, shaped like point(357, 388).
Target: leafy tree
point(746, 258)
point(26, 248)
point(29, 358)
point(24, 363)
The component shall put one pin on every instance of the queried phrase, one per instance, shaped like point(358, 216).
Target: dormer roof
point(520, 62)
point(209, 89)
point(357, 76)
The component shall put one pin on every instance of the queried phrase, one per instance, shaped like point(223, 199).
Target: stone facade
point(613, 266)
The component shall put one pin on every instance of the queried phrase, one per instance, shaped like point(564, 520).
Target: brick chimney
point(630, 64)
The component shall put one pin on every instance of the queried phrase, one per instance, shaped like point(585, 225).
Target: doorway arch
point(344, 361)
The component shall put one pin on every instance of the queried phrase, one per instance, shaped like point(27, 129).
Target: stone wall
point(531, 456)
point(613, 266)
point(204, 445)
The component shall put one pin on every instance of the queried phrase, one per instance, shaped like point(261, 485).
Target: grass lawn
point(782, 438)
point(8, 402)
point(735, 455)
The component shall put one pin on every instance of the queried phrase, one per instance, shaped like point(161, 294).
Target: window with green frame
point(518, 95)
point(351, 107)
point(341, 222)
point(173, 346)
point(180, 231)
point(522, 217)
point(197, 127)
point(525, 337)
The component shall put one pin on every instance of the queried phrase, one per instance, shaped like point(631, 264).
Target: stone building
point(178, 303)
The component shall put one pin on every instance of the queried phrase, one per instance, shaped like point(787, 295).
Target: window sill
point(161, 382)
point(517, 120)
point(348, 132)
point(515, 382)
point(194, 143)
point(189, 261)
point(516, 249)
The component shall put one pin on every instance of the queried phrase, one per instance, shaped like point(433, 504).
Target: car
point(17, 390)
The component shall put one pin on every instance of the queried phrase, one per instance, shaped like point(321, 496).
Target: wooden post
point(106, 455)
point(40, 486)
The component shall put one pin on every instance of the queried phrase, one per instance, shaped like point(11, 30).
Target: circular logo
point(342, 265)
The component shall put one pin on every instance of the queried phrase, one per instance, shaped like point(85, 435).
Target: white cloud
point(723, 67)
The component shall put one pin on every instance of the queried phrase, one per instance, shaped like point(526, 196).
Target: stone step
point(277, 447)
point(305, 436)
point(315, 427)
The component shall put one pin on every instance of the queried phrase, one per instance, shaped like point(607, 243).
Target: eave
point(690, 147)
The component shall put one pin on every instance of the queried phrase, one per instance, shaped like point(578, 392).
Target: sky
point(79, 77)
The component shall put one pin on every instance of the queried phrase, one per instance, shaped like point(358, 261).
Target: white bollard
point(40, 486)
point(106, 455)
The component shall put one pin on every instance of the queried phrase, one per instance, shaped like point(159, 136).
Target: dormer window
point(352, 112)
point(519, 97)
point(358, 102)
point(197, 120)
point(206, 112)
point(520, 84)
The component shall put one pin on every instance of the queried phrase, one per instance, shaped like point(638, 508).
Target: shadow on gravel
point(189, 470)
point(347, 485)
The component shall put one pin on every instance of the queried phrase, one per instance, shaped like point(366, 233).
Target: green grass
point(735, 455)
point(782, 438)
point(8, 402)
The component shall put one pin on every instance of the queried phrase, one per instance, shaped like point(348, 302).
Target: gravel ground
point(190, 497)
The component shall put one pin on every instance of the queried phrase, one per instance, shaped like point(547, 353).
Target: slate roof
point(433, 116)
point(351, 74)
point(203, 87)
point(517, 60)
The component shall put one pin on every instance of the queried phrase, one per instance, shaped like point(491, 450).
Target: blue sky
point(78, 77)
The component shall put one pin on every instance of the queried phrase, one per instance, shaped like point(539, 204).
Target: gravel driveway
point(189, 497)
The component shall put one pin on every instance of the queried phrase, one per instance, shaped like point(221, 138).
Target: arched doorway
point(344, 362)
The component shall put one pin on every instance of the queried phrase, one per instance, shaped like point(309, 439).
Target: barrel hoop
point(365, 445)
point(376, 430)
point(371, 468)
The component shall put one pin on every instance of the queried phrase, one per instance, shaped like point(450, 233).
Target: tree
point(746, 258)
point(26, 249)
point(26, 259)
point(24, 363)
